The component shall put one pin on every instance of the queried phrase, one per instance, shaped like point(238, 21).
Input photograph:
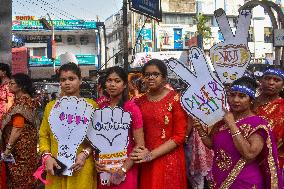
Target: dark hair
point(6, 68)
point(70, 67)
point(102, 83)
point(122, 74)
point(247, 82)
point(160, 65)
point(24, 82)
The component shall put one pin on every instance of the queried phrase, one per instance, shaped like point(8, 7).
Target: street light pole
point(125, 36)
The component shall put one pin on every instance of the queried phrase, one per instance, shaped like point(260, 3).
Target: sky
point(67, 9)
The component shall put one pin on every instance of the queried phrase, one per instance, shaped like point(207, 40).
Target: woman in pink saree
point(245, 153)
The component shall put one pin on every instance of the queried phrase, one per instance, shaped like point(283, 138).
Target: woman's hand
point(228, 118)
point(197, 125)
point(140, 155)
point(7, 152)
point(117, 177)
point(50, 164)
point(100, 167)
point(80, 162)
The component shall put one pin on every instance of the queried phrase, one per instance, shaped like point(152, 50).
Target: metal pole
point(125, 36)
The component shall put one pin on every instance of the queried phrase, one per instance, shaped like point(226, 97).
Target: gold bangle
point(236, 133)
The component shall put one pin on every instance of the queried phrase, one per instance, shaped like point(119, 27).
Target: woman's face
point(271, 85)
point(69, 83)
point(153, 78)
point(238, 102)
point(114, 85)
point(13, 87)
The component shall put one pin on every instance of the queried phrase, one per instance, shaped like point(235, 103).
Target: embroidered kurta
point(162, 121)
point(86, 178)
point(274, 114)
point(22, 114)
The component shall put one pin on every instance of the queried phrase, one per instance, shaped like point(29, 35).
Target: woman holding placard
point(19, 128)
point(245, 154)
point(116, 86)
point(84, 175)
point(270, 105)
point(165, 125)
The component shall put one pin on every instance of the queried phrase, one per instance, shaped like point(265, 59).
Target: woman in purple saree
point(245, 153)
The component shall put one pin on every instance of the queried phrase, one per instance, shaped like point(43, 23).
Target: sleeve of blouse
point(136, 116)
point(18, 121)
point(44, 132)
point(179, 123)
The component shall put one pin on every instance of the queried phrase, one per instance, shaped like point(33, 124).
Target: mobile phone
point(57, 171)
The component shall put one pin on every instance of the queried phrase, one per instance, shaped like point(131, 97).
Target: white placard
point(68, 57)
point(109, 133)
point(204, 98)
point(69, 120)
point(231, 57)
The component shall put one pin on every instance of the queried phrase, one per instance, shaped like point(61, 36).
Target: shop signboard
point(19, 25)
point(83, 59)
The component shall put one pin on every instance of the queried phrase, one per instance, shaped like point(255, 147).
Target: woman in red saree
point(271, 106)
point(165, 125)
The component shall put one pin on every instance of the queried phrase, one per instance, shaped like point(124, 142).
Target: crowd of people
point(168, 149)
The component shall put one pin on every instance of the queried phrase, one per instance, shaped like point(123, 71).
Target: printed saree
point(231, 170)
point(20, 174)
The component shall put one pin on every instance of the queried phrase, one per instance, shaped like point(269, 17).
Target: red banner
point(20, 60)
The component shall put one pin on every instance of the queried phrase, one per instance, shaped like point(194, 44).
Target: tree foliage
point(202, 27)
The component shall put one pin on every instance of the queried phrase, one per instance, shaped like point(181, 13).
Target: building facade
point(81, 38)
point(178, 27)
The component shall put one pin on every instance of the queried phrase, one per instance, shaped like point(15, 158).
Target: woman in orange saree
point(271, 106)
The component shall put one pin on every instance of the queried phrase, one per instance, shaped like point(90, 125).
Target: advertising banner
point(19, 60)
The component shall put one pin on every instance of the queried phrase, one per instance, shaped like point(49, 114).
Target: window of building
point(40, 51)
point(177, 19)
point(268, 35)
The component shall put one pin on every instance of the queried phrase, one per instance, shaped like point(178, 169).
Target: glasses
point(153, 74)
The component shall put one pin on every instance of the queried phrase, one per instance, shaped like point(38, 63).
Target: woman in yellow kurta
point(84, 175)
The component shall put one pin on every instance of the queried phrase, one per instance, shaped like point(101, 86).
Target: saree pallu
point(274, 113)
point(20, 174)
point(231, 170)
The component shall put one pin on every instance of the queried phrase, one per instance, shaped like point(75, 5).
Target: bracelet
point(123, 170)
point(46, 154)
point(86, 152)
point(236, 133)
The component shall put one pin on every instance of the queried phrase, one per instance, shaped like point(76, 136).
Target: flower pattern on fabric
point(20, 174)
point(273, 112)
